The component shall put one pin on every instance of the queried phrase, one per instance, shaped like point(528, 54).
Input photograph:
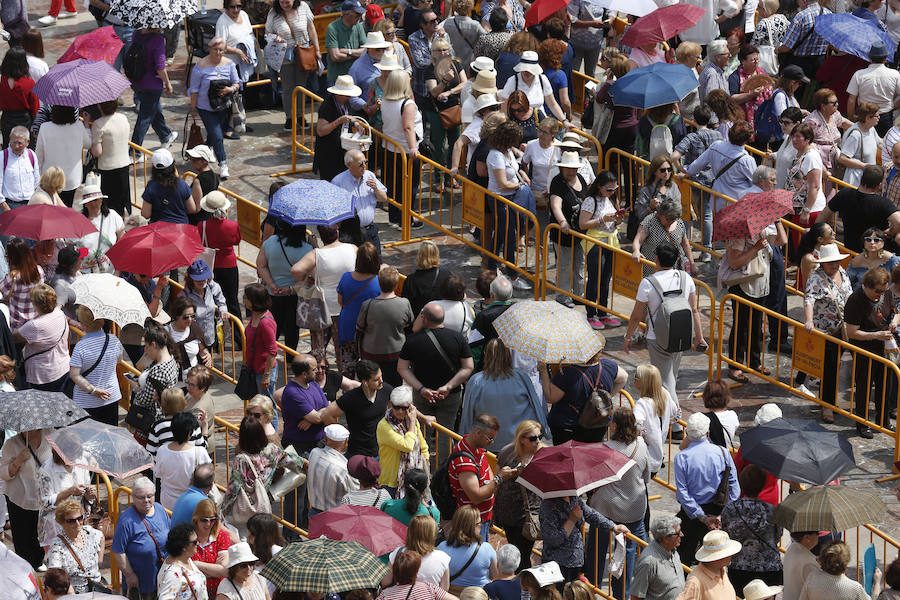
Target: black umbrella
point(28, 410)
point(797, 450)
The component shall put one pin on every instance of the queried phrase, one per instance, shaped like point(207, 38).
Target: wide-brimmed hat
point(482, 63)
point(529, 62)
point(547, 573)
point(716, 545)
point(388, 62)
point(344, 86)
point(758, 590)
point(571, 141)
point(485, 100)
point(375, 40)
point(202, 151)
point(569, 159)
point(239, 554)
point(485, 82)
point(215, 200)
point(829, 253)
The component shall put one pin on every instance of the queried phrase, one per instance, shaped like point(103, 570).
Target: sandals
point(738, 376)
point(762, 369)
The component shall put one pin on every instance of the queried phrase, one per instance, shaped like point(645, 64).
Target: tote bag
point(312, 310)
point(767, 60)
point(257, 501)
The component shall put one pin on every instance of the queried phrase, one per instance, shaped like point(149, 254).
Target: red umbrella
point(45, 222)
point(100, 44)
point(662, 24)
point(751, 214)
point(156, 248)
point(573, 468)
point(377, 531)
point(542, 9)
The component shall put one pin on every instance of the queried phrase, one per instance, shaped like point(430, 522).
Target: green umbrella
point(323, 566)
point(828, 508)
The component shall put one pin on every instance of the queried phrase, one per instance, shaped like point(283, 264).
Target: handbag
point(245, 388)
point(531, 530)
point(209, 254)
point(602, 124)
point(140, 417)
point(246, 505)
point(312, 310)
point(767, 59)
point(289, 481)
point(452, 116)
point(193, 136)
point(93, 586)
point(305, 57)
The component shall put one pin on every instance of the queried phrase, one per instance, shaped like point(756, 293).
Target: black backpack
point(135, 61)
point(441, 492)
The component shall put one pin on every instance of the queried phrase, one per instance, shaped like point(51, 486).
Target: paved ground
point(267, 150)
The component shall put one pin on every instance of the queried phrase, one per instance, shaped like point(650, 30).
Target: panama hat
point(482, 63)
point(486, 100)
point(215, 200)
point(569, 159)
point(758, 590)
point(716, 545)
point(571, 141)
point(376, 41)
point(485, 82)
point(388, 63)
point(344, 86)
point(829, 253)
point(529, 62)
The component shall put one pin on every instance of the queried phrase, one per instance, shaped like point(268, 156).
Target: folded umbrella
point(662, 24)
point(798, 450)
point(377, 531)
point(101, 448)
point(27, 410)
point(572, 469)
point(828, 508)
point(548, 332)
point(747, 217)
point(323, 566)
point(653, 85)
point(156, 248)
point(45, 222)
point(80, 83)
point(100, 44)
point(312, 202)
point(852, 35)
point(111, 297)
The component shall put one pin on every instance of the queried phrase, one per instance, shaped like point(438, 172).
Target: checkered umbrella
point(852, 35)
point(828, 508)
point(547, 331)
point(323, 566)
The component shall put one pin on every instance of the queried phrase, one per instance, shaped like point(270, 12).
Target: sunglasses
point(403, 408)
point(833, 102)
point(665, 169)
point(432, 21)
point(533, 438)
point(191, 317)
point(362, 163)
point(873, 239)
point(390, 33)
point(193, 542)
point(255, 415)
point(78, 519)
point(208, 519)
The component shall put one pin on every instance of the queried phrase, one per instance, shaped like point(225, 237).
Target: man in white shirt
point(367, 192)
point(876, 83)
point(799, 562)
point(20, 173)
point(327, 476)
point(707, 29)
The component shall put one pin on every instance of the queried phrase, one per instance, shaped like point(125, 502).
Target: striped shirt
point(161, 433)
point(370, 497)
point(327, 478)
point(812, 44)
point(420, 591)
point(482, 470)
point(103, 377)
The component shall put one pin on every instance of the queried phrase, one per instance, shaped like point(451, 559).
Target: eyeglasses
point(208, 519)
point(874, 240)
point(77, 519)
point(490, 438)
point(533, 438)
point(362, 163)
point(191, 316)
point(390, 33)
point(518, 109)
point(833, 102)
point(403, 408)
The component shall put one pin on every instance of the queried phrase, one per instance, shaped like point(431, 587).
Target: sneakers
point(47, 21)
point(395, 226)
point(595, 323)
point(223, 172)
point(67, 15)
point(806, 391)
point(169, 140)
point(609, 321)
point(170, 61)
point(520, 284)
point(287, 125)
point(704, 257)
point(417, 224)
point(566, 301)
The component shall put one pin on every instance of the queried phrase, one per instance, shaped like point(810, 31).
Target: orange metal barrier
point(388, 155)
point(307, 131)
point(579, 80)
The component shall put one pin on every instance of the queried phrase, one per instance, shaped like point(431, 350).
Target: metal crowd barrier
point(307, 130)
point(388, 156)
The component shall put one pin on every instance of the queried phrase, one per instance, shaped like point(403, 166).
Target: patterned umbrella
point(573, 468)
point(111, 297)
point(156, 248)
point(852, 35)
point(377, 531)
point(100, 44)
point(828, 508)
point(751, 214)
point(149, 14)
point(101, 448)
point(312, 202)
point(654, 85)
point(548, 331)
point(45, 222)
point(323, 566)
point(662, 24)
point(28, 410)
point(80, 83)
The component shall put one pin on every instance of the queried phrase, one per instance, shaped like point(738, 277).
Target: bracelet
point(497, 479)
point(421, 387)
point(93, 389)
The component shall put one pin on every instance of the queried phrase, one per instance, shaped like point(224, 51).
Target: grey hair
point(664, 525)
point(762, 173)
point(143, 483)
point(348, 157)
point(501, 289)
point(20, 131)
point(670, 208)
point(220, 213)
point(216, 40)
point(508, 558)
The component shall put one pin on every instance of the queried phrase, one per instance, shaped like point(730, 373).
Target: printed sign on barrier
point(809, 353)
point(627, 275)
point(473, 205)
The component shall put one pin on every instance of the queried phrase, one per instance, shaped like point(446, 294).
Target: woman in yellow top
point(401, 443)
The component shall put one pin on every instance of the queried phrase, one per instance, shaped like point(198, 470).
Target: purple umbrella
point(80, 83)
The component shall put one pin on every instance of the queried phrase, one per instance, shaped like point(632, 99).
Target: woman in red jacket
point(17, 101)
point(223, 234)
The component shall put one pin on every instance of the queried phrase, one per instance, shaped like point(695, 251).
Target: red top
point(209, 553)
point(260, 343)
point(769, 493)
point(483, 469)
point(20, 96)
point(223, 235)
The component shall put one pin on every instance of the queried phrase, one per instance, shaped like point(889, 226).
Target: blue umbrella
point(653, 85)
point(312, 202)
point(852, 35)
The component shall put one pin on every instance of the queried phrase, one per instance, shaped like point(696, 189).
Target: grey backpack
point(673, 319)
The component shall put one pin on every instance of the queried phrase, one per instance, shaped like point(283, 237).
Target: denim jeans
point(602, 544)
point(125, 34)
point(599, 270)
point(707, 208)
point(506, 232)
point(485, 531)
point(215, 123)
point(269, 391)
point(149, 113)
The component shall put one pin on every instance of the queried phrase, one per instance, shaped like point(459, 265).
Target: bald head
point(204, 477)
point(433, 315)
point(353, 156)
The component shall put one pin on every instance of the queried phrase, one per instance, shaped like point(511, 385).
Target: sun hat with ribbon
point(758, 590)
point(388, 63)
point(529, 62)
point(215, 200)
point(829, 253)
point(376, 41)
point(485, 100)
point(569, 159)
point(716, 545)
point(485, 82)
point(482, 63)
point(344, 86)
point(570, 141)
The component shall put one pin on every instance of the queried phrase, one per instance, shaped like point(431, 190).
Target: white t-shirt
point(862, 147)
point(730, 422)
point(810, 161)
point(107, 228)
point(668, 280)
point(434, 565)
point(599, 208)
point(541, 159)
point(233, 32)
point(651, 426)
point(174, 470)
point(499, 160)
point(37, 67)
point(458, 316)
point(473, 134)
point(536, 92)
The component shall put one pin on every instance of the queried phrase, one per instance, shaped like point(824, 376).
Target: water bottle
point(202, 7)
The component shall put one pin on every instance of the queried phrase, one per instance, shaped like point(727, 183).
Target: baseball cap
point(162, 158)
point(353, 5)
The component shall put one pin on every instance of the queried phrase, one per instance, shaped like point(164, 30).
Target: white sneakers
point(223, 172)
point(47, 21)
point(168, 141)
point(67, 15)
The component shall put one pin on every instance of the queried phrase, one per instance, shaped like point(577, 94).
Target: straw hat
point(482, 63)
point(87, 192)
point(571, 141)
point(344, 86)
point(547, 573)
point(529, 62)
point(569, 159)
point(716, 545)
point(376, 41)
point(485, 82)
point(388, 62)
point(485, 100)
point(239, 554)
point(758, 590)
point(215, 200)
point(829, 253)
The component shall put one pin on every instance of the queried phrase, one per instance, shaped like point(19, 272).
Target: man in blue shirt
point(363, 70)
point(699, 470)
point(201, 484)
point(139, 543)
point(367, 192)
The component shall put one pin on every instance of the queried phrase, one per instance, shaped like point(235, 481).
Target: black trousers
point(114, 183)
point(864, 381)
point(284, 310)
point(23, 524)
point(108, 414)
point(746, 331)
point(693, 530)
point(227, 278)
point(579, 434)
point(525, 546)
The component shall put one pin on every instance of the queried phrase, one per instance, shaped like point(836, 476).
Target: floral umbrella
point(751, 214)
point(152, 14)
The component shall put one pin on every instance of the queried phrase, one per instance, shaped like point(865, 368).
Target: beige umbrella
point(828, 508)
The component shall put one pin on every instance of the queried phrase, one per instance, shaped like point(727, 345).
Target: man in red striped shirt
point(472, 481)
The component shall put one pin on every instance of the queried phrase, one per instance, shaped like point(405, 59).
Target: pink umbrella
point(100, 44)
point(662, 24)
point(377, 531)
point(572, 469)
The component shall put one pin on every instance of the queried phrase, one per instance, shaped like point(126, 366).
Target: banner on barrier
point(248, 218)
point(627, 275)
point(473, 206)
point(809, 353)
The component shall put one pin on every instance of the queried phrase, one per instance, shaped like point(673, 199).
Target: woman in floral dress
point(827, 123)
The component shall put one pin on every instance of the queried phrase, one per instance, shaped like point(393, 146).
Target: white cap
point(547, 573)
point(766, 413)
point(162, 158)
point(697, 427)
point(337, 433)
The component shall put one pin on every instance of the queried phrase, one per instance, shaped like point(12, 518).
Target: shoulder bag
point(468, 562)
point(246, 505)
point(246, 387)
point(312, 310)
point(69, 385)
point(720, 497)
point(209, 254)
point(598, 406)
point(305, 58)
point(192, 136)
point(93, 586)
point(159, 556)
point(450, 117)
point(531, 528)
point(767, 58)
point(187, 580)
point(603, 121)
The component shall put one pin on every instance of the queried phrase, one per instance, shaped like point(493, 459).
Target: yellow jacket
point(391, 444)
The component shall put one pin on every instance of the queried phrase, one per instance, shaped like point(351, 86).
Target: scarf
point(408, 460)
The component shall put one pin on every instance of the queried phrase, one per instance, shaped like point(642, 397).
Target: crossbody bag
point(468, 562)
point(159, 556)
point(93, 586)
point(305, 58)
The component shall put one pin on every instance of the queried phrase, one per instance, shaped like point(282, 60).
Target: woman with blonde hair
point(401, 121)
point(512, 502)
point(464, 540)
point(424, 284)
point(654, 410)
point(261, 408)
point(213, 542)
point(688, 54)
point(421, 535)
point(577, 590)
point(171, 401)
point(52, 182)
point(78, 549)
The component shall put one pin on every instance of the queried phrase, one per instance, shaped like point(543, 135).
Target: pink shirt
point(642, 59)
point(47, 332)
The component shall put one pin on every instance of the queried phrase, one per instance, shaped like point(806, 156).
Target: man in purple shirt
point(149, 88)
